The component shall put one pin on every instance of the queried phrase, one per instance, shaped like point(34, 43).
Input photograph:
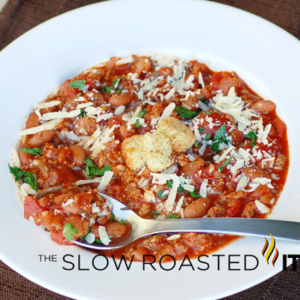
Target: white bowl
point(265, 56)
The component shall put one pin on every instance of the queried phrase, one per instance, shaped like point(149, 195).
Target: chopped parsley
point(201, 130)
point(142, 113)
point(220, 133)
point(207, 137)
point(180, 189)
point(98, 241)
point(79, 95)
point(161, 194)
point(68, 231)
point(83, 113)
point(208, 113)
point(155, 213)
point(197, 144)
point(93, 170)
point(17, 172)
point(195, 194)
point(215, 146)
point(203, 99)
point(172, 216)
point(111, 217)
point(26, 177)
point(224, 164)
point(78, 84)
point(220, 137)
point(31, 180)
point(33, 151)
point(114, 87)
point(106, 89)
point(170, 184)
point(186, 113)
point(253, 136)
point(116, 83)
point(122, 222)
point(138, 124)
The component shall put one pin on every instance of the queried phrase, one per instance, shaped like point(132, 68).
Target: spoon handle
point(234, 226)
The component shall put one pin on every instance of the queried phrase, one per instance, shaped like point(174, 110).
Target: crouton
point(157, 162)
point(152, 150)
point(157, 143)
point(181, 136)
point(133, 153)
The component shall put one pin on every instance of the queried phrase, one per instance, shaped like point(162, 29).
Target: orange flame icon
point(270, 250)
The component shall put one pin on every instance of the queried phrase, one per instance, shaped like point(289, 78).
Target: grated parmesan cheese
point(179, 204)
point(196, 130)
point(223, 156)
point(173, 237)
point(103, 235)
point(188, 187)
point(15, 158)
point(203, 188)
point(119, 110)
point(69, 135)
point(233, 105)
point(68, 202)
point(200, 80)
point(60, 114)
point(102, 140)
point(171, 170)
point(95, 209)
point(253, 187)
point(86, 143)
point(79, 99)
point(191, 157)
point(104, 117)
point(168, 111)
point(131, 118)
point(87, 181)
point(238, 165)
point(170, 94)
point(90, 238)
point(38, 114)
point(84, 105)
point(172, 196)
point(48, 104)
point(46, 126)
point(242, 183)
point(124, 61)
point(261, 207)
point(26, 190)
point(261, 180)
point(105, 181)
point(149, 196)
point(202, 149)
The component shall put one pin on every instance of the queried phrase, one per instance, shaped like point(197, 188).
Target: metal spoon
point(234, 226)
point(140, 227)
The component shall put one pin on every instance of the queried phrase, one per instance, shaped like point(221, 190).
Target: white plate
point(265, 56)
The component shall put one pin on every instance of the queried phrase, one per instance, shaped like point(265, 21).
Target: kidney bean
point(197, 208)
